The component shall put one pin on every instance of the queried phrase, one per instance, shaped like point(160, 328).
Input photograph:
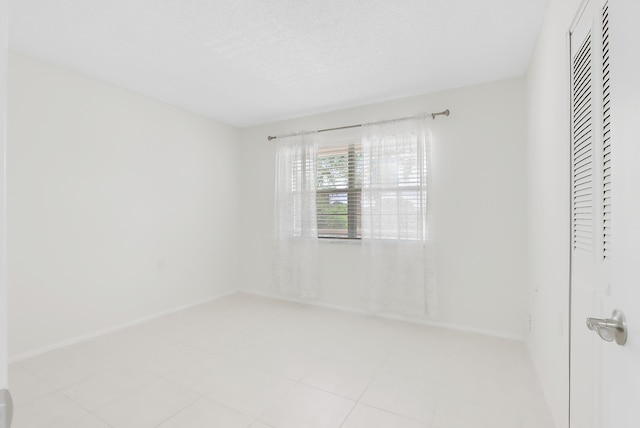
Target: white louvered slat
point(582, 147)
point(606, 137)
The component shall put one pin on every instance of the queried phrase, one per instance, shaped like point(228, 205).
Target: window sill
point(338, 241)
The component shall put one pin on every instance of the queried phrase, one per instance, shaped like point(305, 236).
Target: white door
point(621, 364)
point(605, 376)
point(586, 264)
point(5, 405)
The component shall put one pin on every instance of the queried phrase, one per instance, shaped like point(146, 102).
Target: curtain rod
point(433, 116)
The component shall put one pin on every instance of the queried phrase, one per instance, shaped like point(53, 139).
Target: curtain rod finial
point(442, 113)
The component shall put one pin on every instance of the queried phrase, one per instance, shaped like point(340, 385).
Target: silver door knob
point(610, 329)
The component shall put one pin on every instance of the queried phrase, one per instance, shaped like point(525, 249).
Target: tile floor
point(245, 361)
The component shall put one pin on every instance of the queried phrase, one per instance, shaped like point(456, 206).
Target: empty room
point(319, 214)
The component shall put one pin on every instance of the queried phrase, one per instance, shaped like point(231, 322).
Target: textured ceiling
point(246, 62)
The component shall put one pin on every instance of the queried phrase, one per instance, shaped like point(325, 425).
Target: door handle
point(610, 329)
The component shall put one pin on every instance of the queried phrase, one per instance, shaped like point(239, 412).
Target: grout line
point(355, 403)
point(377, 371)
point(180, 411)
point(430, 424)
point(156, 378)
point(101, 420)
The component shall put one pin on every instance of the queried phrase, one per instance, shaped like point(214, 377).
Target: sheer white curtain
point(295, 264)
point(398, 256)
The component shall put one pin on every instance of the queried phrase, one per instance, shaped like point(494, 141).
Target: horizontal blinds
point(582, 145)
point(338, 191)
point(395, 195)
point(394, 166)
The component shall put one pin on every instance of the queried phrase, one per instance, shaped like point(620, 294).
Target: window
point(394, 195)
point(338, 191)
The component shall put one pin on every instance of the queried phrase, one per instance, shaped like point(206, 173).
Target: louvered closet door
point(583, 146)
point(593, 142)
point(586, 215)
point(605, 195)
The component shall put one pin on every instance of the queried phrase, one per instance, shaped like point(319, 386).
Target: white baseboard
point(93, 335)
point(413, 320)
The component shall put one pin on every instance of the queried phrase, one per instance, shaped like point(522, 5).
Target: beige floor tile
point(54, 410)
point(147, 407)
point(25, 387)
point(206, 413)
point(369, 417)
point(105, 388)
point(409, 397)
point(308, 407)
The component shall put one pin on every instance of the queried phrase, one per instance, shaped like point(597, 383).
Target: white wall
point(480, 208)
point(548, 156)
point(120, 207)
